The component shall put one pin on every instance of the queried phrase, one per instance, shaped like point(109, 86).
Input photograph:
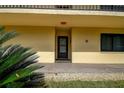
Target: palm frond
point(17, 64)
point(21, 73)
point(2, 29)
point(34, 80)
point(7, 36)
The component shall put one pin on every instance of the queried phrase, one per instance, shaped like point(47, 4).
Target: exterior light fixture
point(63, 23)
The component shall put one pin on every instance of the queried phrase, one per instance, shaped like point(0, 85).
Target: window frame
point(112, 45)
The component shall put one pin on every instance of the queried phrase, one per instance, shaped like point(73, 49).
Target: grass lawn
point(86, 84)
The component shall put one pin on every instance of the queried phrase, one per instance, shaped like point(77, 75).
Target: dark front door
point(62, 47)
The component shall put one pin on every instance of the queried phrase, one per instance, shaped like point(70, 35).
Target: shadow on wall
point(38, 38)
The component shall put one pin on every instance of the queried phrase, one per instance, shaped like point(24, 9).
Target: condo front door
point(62, 47)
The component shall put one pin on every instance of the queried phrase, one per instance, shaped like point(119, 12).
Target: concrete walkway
point(82, 68)
point(85, 72)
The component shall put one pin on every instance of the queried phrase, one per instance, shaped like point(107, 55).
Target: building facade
point(92, 34)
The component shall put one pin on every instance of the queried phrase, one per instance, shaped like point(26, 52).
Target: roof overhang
point(36, 17)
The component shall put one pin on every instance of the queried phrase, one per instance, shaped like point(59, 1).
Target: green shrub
point(17, 64)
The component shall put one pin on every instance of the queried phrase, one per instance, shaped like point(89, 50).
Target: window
point(112, 42)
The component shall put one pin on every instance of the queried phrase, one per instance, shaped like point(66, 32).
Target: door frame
point(63, 31)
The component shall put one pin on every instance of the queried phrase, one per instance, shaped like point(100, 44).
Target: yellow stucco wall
point(40, 39)
point(83, 52)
